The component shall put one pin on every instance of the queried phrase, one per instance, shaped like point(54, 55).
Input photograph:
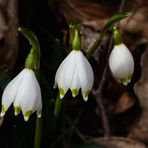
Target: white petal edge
point(86, 75)
point(29, 94)
point(65, 72)
point(10, 91)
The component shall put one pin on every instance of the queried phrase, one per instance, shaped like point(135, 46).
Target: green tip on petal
point(61, 92)
point(17, 110)
point(74, 92)
point(126, 81)
point(55, 85)
point(26, 118)
point(27, 115)
point(85, 95)
point(2, 111)
point(39, 114)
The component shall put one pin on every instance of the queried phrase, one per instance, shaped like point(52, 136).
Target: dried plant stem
point(98, 93)
point(122, 5)
point(73, 125)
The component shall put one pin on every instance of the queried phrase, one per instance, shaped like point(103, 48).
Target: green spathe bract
point(116, 36)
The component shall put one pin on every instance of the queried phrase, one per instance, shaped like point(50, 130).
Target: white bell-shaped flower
point(121, 64)
point(25, 94)
point(74, 73)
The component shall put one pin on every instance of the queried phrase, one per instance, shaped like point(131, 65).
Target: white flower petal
point(75, 83)
point(86, 75)
point(70, 69)
point(121, 63)
point(65, 72)
point(29, 95)
point(75, 72)
point(10, 92)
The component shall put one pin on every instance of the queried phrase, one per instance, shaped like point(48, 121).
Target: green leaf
point(114, 19)
point(111, 22)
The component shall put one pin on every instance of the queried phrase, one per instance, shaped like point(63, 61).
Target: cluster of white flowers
point(24, 91)
point(74, 73)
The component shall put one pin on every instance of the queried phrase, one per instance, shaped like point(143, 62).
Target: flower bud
point(121, 64)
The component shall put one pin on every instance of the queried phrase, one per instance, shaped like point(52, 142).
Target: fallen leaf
point(140, 130)
point(118, 142)
point(125, 102)
point(8, 35)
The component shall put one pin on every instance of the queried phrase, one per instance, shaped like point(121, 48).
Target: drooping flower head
point(75, 72)
point(25, 94)
point(24, 90)
point(121, 62)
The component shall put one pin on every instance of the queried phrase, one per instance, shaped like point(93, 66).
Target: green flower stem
point(38, 129)
point(33, 58)
point(111, 22)
point(33, 62)
point(56, 113)
point(38, 133)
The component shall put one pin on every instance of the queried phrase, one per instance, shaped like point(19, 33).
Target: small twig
point(82, 137)
point(73, 125)
point(122, 5)
point(98, 94)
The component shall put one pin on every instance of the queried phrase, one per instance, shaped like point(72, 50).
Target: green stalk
point(33, 58)
point(33, 62)
point(38, 133)
point(56, 113)
point(111, 22)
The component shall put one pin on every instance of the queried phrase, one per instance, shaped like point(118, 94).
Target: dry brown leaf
point(94, 14)
point(8, 35)
point(140, 130)
point(85, 12)
point(118, 142)
point(135, 27)
point(125, 102)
